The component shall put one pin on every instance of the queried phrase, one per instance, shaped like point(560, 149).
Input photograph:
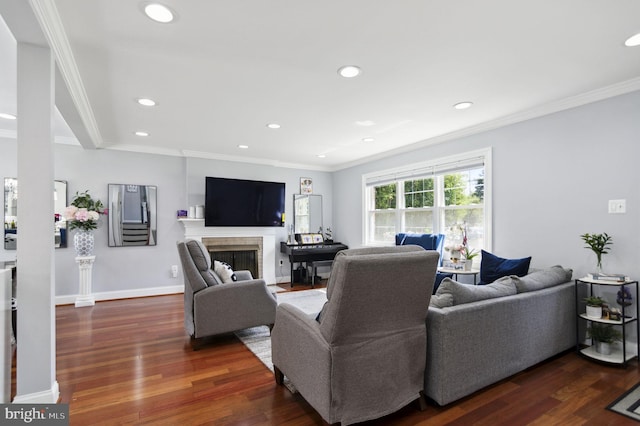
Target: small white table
point(457, 272)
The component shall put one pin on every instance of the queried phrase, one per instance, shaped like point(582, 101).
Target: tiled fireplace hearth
point(241, 241)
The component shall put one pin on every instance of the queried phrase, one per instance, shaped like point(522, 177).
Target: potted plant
point(594, 306)
point(603, 336)
point(469, 254)
point(598, 244)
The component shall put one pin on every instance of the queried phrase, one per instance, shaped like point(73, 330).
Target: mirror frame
point(60, 203)
point(142, 221)
point(307, 213)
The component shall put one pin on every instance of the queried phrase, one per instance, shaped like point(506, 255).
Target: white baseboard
point(50, 396)
point(123, 294)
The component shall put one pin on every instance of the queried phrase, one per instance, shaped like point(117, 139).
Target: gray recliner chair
point(364, 356)
point(211, 307)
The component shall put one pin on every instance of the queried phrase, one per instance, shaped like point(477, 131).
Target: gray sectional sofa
point(479, 335)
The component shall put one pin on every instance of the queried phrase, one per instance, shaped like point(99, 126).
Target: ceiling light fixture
point(349, 71)
point(633, 41)
point(7, 116)
point(365, 123)
point(141, 133)
point(273, 125)
point(463, 105)
point(368, 139)
point(159, 13)
point(146, 102)
point(243, 146)
point(321, 156)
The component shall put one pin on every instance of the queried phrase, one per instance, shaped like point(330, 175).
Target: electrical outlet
point(174, 271)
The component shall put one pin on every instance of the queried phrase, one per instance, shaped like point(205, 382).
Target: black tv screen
point(239, 202)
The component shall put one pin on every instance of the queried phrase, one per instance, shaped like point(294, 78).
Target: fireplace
point(239, 252)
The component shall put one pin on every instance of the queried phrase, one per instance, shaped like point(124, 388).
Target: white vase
point(603, 348)
point(468, 264)
point(83, 242)
point(594, 311)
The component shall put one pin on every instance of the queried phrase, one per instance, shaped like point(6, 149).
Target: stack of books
point(618, 278)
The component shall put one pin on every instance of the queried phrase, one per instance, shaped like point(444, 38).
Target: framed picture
point(306, 186)
point(317, 238)
point(306, 238)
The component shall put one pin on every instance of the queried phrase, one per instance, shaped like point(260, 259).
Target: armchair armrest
point(234, 306)
point(296, 344)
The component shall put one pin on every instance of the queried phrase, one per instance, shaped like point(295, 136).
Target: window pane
point(383, 225)
point(472, 219)
point(418, 221)
point(464, 188)
point(385, 197)
point(418, 193)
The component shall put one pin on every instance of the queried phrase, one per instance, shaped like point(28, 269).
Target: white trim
point(50, 396)
point(124, 294)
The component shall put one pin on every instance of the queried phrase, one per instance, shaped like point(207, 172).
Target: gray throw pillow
point(542, 278)
point(467, 293)
point(441, 300)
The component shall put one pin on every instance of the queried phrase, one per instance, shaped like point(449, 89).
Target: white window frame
point(420, 169)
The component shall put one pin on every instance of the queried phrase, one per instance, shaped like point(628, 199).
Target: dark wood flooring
point(129, 362)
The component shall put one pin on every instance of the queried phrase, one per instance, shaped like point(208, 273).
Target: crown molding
point(47, 15)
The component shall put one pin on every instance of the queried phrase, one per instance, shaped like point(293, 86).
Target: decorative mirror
point(11, 213)
point(307, 213)
point(132, 215)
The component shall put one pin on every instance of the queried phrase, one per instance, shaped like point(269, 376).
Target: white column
point(85, 266)
point(36, 347)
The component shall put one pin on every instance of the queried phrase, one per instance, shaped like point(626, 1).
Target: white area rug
point(258, 339)
point(628, 404)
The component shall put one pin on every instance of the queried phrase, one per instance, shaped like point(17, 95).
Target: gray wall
point(180, 181)
point(552, 179)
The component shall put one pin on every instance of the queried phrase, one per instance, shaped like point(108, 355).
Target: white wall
point(552, 179)
point(131, 271)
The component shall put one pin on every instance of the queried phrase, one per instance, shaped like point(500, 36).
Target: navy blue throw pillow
point(493, 267)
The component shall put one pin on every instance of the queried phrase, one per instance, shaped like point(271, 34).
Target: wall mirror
point(132, 215)
point(307, 213)
point(11, 213)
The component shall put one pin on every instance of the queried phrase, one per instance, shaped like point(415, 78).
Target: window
point(442, 197)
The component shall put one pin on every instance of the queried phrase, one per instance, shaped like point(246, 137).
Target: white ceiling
point(224, 69)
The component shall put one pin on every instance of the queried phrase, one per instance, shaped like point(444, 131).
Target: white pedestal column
point(85, 266)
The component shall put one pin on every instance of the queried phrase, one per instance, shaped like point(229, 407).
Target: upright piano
point(310, 255)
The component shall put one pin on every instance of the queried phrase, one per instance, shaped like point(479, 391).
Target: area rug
point(628, 404)
point(258, 339)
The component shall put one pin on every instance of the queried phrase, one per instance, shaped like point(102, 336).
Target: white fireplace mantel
point(194, 229)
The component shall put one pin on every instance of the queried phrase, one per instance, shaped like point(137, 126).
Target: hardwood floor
point(130, 362)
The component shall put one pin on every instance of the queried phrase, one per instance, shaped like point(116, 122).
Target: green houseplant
point(594, 306)
point(603, 336)
point(598, 243)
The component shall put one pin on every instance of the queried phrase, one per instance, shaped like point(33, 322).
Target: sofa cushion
point(224, 271)
point(493, 267)
point(202, 261)
point(467, 293)
point(542, 278)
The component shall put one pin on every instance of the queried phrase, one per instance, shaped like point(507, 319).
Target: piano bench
point(314, 268)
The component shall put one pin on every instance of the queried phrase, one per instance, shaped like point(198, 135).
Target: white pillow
point(224, 271)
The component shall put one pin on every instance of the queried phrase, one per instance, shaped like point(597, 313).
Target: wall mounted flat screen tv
point(239, 202)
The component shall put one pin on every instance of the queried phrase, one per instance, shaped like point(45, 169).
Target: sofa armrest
point(243, 275)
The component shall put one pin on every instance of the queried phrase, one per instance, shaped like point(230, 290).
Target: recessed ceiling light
point(273, 125)
point(159, 12)
point(368, 140)
point(141, 133)
point(321, 156)
point(7, 116)
point(633, 41)
point(349, 71)
point(463, 105)
point(365, 123)
point(146, 101)
point(243, 146)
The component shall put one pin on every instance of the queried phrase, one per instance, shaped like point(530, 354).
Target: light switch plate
point(617, 206)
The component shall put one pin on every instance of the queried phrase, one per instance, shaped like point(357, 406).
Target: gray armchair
point(211, 307)
point(364, 357)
